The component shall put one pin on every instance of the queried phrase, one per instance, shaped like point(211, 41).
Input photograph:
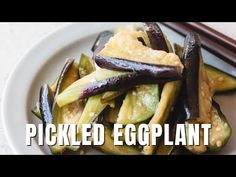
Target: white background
point(17, 38)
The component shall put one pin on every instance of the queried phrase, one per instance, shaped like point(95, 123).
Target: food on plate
point(135, 77)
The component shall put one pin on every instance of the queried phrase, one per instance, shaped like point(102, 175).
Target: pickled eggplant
point(197, 92)
point(102, 38)
point(100, 42)
point(156, 36)
point(117, 83)
point(86, 65)
point(70, 113)
point(191, 59)
point(46, 99)
point(220, 82)
point(112, 113)
point(176, 116)
point(169, 95)
point(178, 50)
point(69, 74)
point(126, 45)
point(195, 149)
point(49, 110)
point(54, 85)
point(110, 95)
point(45, 104)
point(36, 111)
point(113, 94)
point(146, 69)
point(138, 105)
point(112, 80)
point(220, 131)
point(62, 83)
point(92, 109)
point(131, 49)
point(74, 91)
point(138, 79)
point(156, 71)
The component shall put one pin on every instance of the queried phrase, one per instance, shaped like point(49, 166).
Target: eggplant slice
point(91, 111)
point(139, 104)
point(128, 66)
point(191, 59)
point(75, 90)
point(100, 42)
point(146, 69)
point(36, 111)
point(220, 82)
point(156, 36)
point(45, 104)
point(86, 65)
point(127, 81)
point(49, 110)
point(193, 85)
point(170, 90)
point(110, 95)
point(120, 80)
point(46, 99)
point(61, 79)
point(200, 107)
point(220, 131)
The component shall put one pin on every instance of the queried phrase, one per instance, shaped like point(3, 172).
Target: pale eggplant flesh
point(59, 86)
point(220, 131)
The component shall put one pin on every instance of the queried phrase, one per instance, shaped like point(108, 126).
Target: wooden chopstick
point(215, 42)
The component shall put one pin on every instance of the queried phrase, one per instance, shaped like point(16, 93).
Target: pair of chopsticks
point(215, 42)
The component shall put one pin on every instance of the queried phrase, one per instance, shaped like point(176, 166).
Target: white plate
point(43, 63)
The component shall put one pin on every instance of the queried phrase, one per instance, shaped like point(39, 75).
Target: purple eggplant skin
point(126, 81)
point(145, 69)
point(65, 69)
point(45, 104)
point(100, 42)
point(156, 36)
point(191, 60)
point(46, 98)
point(140, 39)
